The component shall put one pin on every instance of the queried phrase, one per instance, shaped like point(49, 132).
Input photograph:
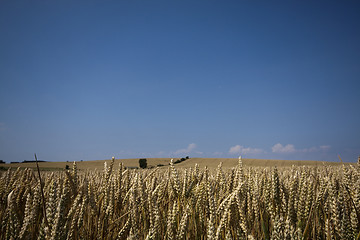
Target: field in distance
point(153, 162)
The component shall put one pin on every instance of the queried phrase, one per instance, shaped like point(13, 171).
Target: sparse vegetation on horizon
point(190, 162)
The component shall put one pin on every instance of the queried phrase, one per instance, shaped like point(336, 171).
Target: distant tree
point(187, 157)
point(1, 161)
point(143, 163)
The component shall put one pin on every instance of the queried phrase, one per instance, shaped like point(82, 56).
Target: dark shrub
point(67, 167)
point(143, 163)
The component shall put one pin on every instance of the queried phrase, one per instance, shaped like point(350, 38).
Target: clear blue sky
point(264, 79)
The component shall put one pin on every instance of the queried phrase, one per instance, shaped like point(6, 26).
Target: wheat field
point(240, 202)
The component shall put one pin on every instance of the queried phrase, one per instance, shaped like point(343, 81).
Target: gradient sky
point(95, 79)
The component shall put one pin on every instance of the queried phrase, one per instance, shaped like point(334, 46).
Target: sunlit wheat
point(174, 203)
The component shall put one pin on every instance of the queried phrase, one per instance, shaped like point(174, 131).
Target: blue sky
point(264, 79)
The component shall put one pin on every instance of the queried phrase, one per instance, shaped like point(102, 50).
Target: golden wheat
point(238, 203)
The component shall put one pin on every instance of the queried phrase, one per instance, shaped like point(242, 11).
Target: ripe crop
point(173, 203)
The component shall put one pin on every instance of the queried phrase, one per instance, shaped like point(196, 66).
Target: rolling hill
point(153, 162)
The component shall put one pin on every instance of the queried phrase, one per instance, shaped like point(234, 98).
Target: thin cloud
point(279, 148)
point(325, 147)
point(187, 150)
point(238, 149)
point(290, 148)
point(161, 153)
